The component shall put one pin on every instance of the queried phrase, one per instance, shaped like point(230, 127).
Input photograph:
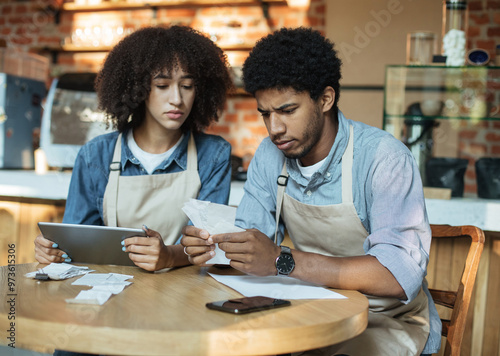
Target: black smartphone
point(247, 304)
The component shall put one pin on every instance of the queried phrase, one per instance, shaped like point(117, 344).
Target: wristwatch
point(285, 263)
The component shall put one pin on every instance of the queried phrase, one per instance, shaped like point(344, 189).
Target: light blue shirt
point(91, 171)
point(387, 193)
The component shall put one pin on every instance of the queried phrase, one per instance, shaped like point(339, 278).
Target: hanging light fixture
point(299, 4)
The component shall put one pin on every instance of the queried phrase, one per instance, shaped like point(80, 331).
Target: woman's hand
point(198, 245)
point(149, 253)
point(46, 251)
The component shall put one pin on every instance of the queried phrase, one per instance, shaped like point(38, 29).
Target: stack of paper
point(59, 271)
point(104, 285)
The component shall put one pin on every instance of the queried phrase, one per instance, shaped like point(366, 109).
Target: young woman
point(159, 87)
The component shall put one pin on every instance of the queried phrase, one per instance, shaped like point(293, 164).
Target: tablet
point(91, 243)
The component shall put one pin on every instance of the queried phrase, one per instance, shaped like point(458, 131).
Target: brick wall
point(484, 25)
point(477, 141)
point(482, 139)
point(31, 25)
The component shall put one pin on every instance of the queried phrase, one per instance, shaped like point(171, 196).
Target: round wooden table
point(165, 314)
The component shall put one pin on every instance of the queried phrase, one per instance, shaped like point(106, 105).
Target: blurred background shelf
point(125, 5)
point(433, 108)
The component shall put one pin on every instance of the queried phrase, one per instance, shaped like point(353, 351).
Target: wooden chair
point(458, 300)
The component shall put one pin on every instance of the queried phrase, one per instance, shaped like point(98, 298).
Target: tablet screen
point(91, 243)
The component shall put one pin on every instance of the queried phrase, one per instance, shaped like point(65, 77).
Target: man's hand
point(46, 251)
point(198, 245)
point(250, 251)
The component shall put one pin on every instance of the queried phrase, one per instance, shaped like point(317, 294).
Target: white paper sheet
point(95, 279)
point(104, 285)
point(90, 297)
point(58, 271)
point(110, 288)
point(216, 219)
point(276, 287)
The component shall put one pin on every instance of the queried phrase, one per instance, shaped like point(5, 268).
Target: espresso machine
point(20, 115)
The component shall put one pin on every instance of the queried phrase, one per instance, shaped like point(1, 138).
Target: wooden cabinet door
point(18, 222)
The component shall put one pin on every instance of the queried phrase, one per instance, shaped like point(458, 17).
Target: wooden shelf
point(73, 49)
point(123, 5)
point(153, 5)
point(70, 48)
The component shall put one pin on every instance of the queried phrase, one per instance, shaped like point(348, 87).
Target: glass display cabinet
point(424, 105)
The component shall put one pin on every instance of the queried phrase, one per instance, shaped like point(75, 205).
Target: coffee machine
point(20, 115)
point(70, 118)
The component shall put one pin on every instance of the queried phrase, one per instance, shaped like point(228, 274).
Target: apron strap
point(282, 182)
point(114, 176)
point(192, 155)
point(347, 160)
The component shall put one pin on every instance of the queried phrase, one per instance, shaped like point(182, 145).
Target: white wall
point(370, 34)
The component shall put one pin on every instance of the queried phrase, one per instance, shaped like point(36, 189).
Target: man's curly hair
point(124, 83)
point(299, 58)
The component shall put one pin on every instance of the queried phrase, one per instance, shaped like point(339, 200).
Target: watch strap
point(286, 249)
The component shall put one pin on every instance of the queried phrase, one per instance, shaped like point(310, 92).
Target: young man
point(349, 195)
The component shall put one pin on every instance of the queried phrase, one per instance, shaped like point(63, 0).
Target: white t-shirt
point(149, 160)
point(308, 171)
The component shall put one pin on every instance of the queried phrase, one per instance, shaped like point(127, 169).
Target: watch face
point(285, 263)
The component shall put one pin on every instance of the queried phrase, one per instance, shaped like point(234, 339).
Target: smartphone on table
point(247, 304)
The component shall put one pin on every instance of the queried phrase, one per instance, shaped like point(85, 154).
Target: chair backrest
point(459, 299)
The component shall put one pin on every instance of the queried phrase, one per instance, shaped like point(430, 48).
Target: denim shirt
point(387, 193)
point(89, 179)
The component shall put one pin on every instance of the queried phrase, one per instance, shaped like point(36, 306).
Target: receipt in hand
point(215, 218)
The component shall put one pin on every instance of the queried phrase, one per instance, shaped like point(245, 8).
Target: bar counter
point(53, 186)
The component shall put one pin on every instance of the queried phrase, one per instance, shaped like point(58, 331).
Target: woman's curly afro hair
point(124, 83)
point(299, 58)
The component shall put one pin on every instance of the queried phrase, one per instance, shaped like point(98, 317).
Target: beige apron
point(394, 328)
point(152, 200)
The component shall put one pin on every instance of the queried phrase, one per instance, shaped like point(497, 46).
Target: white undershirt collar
point(307, 172)
point(149, 160)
